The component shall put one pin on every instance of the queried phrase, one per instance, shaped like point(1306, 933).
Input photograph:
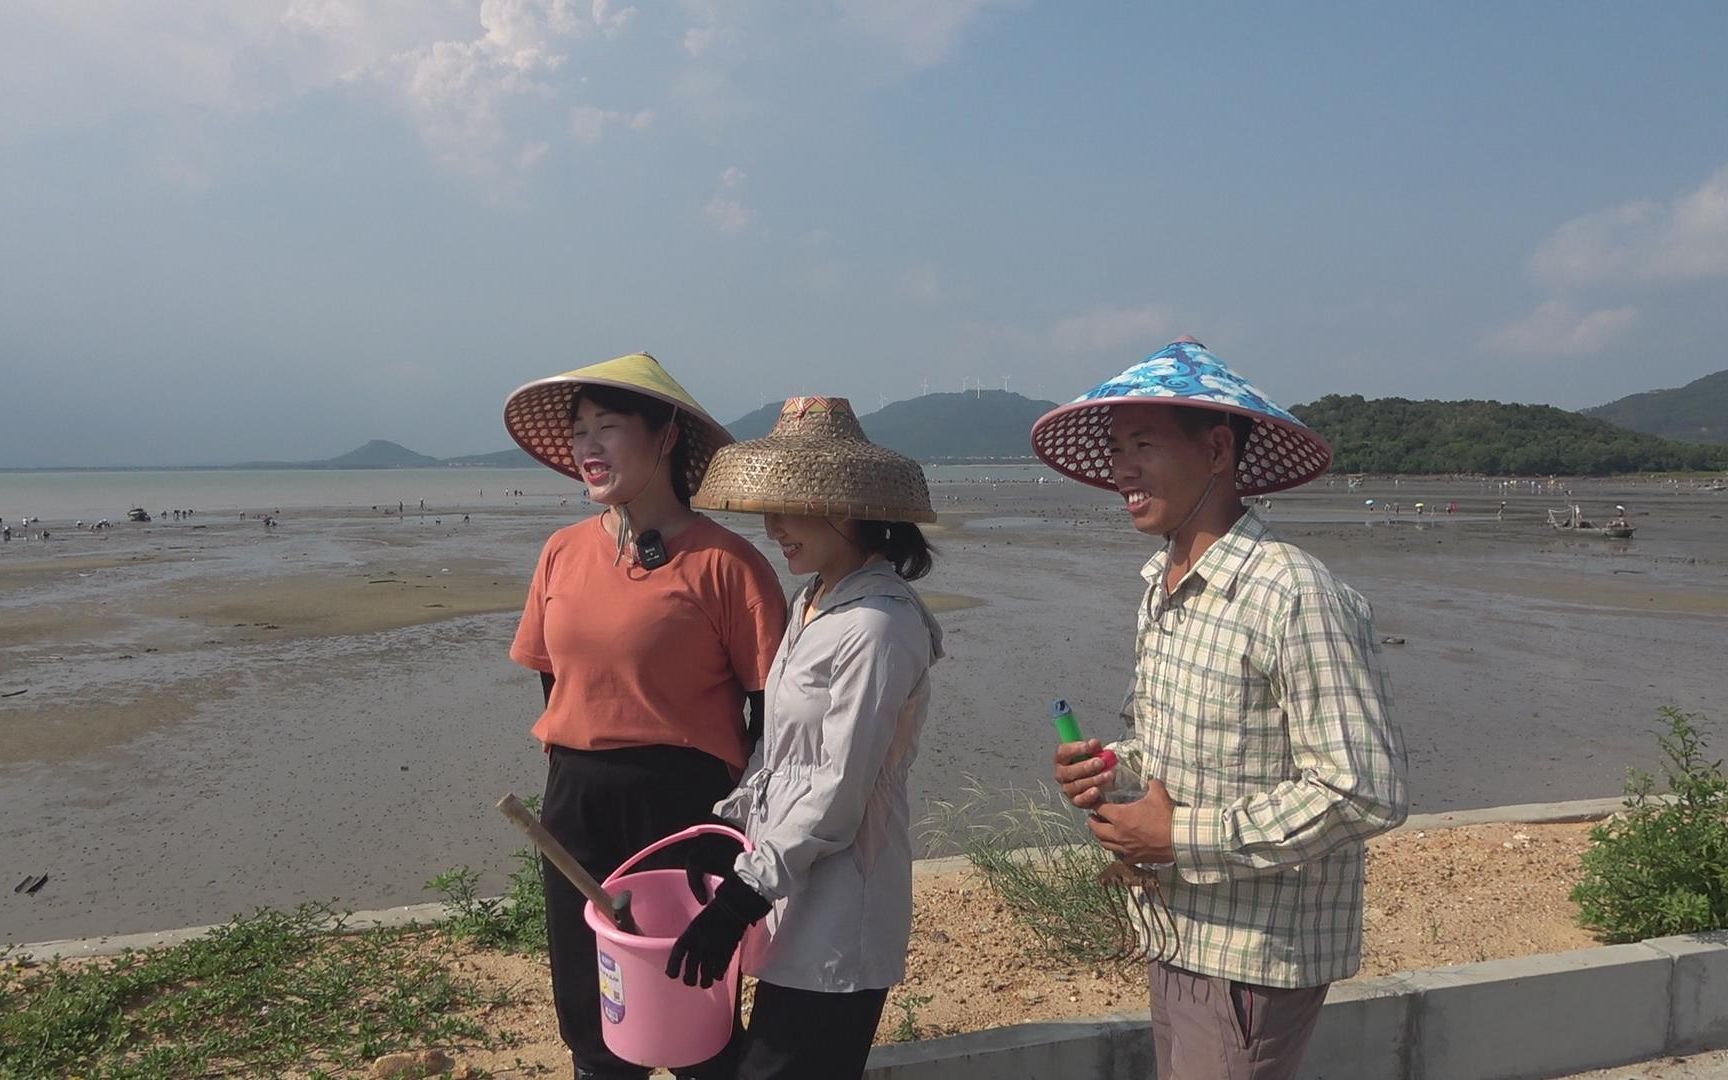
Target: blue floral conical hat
point(1281, 451)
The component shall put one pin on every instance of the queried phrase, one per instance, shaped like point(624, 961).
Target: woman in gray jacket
point(831, 867)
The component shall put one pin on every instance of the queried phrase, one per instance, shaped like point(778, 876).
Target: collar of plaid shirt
point(1217, 567)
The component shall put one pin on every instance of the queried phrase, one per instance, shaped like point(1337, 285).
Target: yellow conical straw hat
point(818, 462)
point(538, 415)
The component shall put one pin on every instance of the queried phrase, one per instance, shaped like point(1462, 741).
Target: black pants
point(796, 1034)
point(604, 806)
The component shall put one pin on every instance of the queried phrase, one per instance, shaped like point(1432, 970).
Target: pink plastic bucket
point(646, 1017)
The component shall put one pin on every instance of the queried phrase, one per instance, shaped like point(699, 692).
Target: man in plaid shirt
point(1259, 716)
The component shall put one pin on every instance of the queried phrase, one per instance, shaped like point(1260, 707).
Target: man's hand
point(1082, 781)
point(1139, 832)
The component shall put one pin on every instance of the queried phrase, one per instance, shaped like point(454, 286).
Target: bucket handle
point(704, 829)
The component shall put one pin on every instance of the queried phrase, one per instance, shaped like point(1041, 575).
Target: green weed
point(907, 1029)
point(263, 994)
point(1661, 866)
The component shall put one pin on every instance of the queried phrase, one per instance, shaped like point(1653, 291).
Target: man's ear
point(1222, 443)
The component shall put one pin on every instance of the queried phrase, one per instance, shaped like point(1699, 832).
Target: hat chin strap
point(1170, 537)
point(626, 527)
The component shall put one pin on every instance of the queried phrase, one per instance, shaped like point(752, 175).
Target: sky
point(239, 230)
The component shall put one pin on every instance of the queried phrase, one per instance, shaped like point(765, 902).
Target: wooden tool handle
point(511, 807)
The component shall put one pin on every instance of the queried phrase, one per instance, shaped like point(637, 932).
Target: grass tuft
point(262, 995)
point(1036, 855)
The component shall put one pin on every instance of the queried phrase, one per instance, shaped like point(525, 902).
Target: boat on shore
point(1572, 519)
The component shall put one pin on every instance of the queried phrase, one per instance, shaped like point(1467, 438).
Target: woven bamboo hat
point(538, 415)
point(1281, 451)
point(816, 462)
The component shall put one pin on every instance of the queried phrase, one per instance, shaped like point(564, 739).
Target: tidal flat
point(217, 715)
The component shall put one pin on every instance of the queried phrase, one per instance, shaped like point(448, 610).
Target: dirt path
point(1449, 896)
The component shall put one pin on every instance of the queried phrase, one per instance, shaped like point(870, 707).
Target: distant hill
point(514, 458)
point(979, 424)
point(936, 427)
point(1395, 435)
point(754, 425)
point(377, 454)
point(1696, 412)
point(380, 454)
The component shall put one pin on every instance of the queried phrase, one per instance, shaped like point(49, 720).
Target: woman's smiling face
point(810, 544)
point(616, 452)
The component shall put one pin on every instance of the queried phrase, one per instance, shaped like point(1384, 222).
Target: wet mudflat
point(233, 716)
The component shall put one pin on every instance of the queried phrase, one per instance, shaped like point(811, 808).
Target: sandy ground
point(1442, 897)
point(217, 718)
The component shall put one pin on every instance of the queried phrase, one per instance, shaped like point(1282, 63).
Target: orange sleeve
point(529, 648)
point(756, 619)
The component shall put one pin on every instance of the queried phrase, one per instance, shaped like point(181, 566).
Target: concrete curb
point(114, 944)
point(1528, 1017)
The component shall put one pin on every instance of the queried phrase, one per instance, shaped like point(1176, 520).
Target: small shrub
point(906, 1029)
point(514, 922)
point(1661, 866)
point(1041, 861)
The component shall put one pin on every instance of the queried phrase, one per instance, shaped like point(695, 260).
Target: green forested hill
point(1395, 435)
point(1696, 412)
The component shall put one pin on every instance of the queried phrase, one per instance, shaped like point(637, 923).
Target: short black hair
point(1196, 420)
point(655, 413)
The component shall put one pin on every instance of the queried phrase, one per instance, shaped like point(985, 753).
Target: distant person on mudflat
point(651, 627)
point(830, 874)
point(1259, 715)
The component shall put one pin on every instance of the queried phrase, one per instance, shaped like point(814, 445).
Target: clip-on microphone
point(651, 550)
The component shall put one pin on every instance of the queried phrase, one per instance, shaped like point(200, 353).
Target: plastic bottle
point(1126, 786)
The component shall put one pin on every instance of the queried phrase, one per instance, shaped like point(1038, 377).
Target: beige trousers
point(1209, 1028)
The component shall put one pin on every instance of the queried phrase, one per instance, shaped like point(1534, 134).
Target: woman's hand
point(704, 950)
point(710, 855)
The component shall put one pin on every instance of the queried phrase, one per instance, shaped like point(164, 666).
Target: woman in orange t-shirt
point(652, 628)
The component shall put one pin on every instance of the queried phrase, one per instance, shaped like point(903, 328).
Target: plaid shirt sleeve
point(1327, 676)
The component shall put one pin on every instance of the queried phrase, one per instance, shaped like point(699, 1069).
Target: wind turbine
point(1005, 379)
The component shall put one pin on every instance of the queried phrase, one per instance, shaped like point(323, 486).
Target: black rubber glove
point(709, 854)
point(704, 950)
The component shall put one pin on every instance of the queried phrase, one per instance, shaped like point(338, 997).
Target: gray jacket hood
point(878, 579)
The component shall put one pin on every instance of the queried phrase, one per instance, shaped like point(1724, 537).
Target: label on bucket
point(611, 989)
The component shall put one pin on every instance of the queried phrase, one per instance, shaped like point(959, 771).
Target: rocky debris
point(415, 1065)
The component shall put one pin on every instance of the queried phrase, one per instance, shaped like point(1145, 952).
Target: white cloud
point(588, 123)
point(1107, 329)
point(697, 39)
point(922, 32)
point(920, 285)
point(726, 211)
point(462, 94)
point(474, 77)
point(1556, 328)
point(1643, 241)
